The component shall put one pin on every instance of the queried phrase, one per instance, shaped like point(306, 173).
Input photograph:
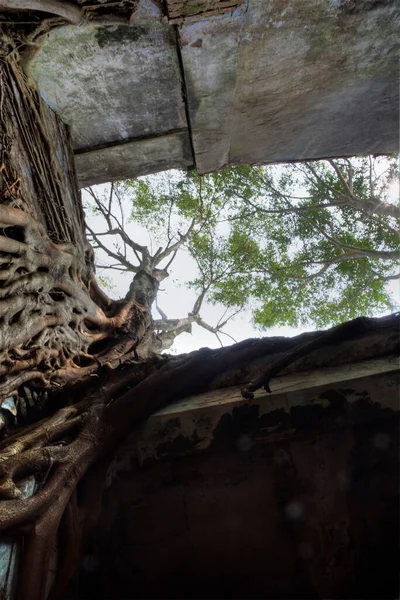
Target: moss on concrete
point(120, 34)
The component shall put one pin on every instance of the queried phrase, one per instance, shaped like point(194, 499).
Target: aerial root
point(325, 338)
point(48, 319)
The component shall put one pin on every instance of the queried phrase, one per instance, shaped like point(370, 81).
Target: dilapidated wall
point(294, 496)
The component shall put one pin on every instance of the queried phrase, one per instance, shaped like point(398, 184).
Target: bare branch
point(356, 252)
point(325, 265)
point(121, 209)
point(211, 329)
point(386, 277)
point(371, 181)
point(342, 180)
point(110, 197)
point(183, 238)
point(222, 324)
point(222, 316)
point(113, 267)
point(119, 230)
point(117, 256)
point(320, 272)
point(375, 206)
point(167, 266)
point(169, 236)
point(219, 339)
point(321, 181)
point(350, 173)
point(229, 336)
point(282, 211)
point(200, 299)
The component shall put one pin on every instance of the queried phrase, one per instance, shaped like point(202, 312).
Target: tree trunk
point(56, 326)
point(54, 318)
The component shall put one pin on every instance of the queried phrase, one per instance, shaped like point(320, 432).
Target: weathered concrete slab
point(261, 81)
point(171, 151)
point(112, 83)
point(280, 81)
point(120, 90)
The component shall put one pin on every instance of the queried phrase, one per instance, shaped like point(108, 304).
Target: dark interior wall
point(313, 514)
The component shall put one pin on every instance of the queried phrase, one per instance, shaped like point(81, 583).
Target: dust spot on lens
point(381, 441)
point(244, 443)
point(294, 510)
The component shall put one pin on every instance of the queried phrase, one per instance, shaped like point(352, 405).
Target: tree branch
point(282, 211)
point(117, 256)
point(342, 180)
point(373, 205)
point(386, 277)
point(162, 314)
point(325, 265)
point(70, 12)
point(159, 257)
point(119, 230)
point(376, 207)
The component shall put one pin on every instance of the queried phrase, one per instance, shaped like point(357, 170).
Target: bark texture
point(53, 317)
point(56, 326)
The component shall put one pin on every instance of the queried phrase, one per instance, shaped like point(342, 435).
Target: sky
point(176, 300)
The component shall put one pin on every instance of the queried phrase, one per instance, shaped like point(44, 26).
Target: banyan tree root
point(51, 320)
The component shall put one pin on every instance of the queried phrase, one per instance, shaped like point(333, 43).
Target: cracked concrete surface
point(264, 82)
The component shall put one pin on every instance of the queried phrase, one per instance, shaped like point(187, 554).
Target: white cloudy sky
point(176, 300)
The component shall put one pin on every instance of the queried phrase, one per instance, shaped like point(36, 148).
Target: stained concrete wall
point(281, 81)
point(265, 81)
point(293, 494)
point(292, 501)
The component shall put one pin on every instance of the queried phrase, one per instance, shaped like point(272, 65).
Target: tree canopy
point(307, 244)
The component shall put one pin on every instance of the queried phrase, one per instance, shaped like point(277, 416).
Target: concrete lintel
point(264, 82)
point(287, 384)
point(134, 158)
